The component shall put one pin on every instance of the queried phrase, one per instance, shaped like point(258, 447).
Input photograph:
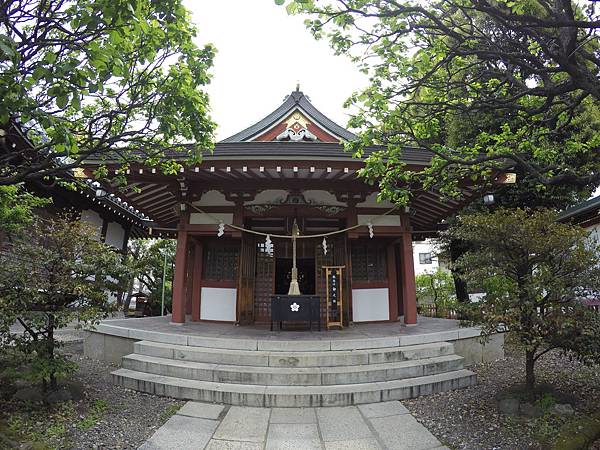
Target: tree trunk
point(50, 350)
point(529, 370)
point(127, 299)
point(457, 249)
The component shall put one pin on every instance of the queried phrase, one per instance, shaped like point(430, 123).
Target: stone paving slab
point(244, 424)
point(182, 433)
point(342, 423)
point(201, 410)
point(293, 415)
point(354, 444)
point(377, 426)
point(371, 410)
point(403, 432)
point(218, 444)
point(293, 436)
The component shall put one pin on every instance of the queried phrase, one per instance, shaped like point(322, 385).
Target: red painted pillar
point(409, 288)
point(197, 282)
point(392, 282)
point(179, 278)
point(189, 277)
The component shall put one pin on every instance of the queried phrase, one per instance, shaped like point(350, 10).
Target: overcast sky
point(261, 54)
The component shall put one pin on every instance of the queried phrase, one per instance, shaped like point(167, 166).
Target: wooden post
point(409, 288)
point(197, 281)
point(179, 278)
point(392, 282)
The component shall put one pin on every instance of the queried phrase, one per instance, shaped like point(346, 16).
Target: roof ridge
point(296, 98)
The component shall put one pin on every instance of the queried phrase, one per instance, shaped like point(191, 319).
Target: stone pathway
point(386, 425)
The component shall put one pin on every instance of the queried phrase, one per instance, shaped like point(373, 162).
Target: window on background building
point(368, 262)
point(220, 262)
point(425, 258)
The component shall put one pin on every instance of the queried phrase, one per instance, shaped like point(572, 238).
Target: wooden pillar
point(189, 277)
point(179, 278)
point(409, 288)
point(197, 281)
point(392, 282)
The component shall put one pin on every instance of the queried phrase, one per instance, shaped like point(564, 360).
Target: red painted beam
point(179, 278)
point(409, 288)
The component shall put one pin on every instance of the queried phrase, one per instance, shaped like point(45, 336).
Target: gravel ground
point(130, 417)
point(468, 418)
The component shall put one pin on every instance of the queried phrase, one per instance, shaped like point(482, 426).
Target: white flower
point(294, 307)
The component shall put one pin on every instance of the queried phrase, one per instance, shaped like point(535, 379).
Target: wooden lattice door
point(336, 256)
point(247, 267)
point(263, 284)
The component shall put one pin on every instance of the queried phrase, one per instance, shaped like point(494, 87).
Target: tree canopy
point(108, 79)
point(55, 271)
point(535, 273)
point(485, 86)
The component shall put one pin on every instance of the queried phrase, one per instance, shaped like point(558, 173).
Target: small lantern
point(488, 199)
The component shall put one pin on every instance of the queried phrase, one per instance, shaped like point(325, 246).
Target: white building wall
point(369, 305)
point(218, 304)
point(115, 235)
point(426, 247)
point(594, 231)
point(94, 219)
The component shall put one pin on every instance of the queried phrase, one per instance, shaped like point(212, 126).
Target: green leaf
point(50, 57)
point(61, 101)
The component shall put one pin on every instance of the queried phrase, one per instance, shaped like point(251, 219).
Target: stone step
point(284, 376)
point(292, 396)
point(260, 358)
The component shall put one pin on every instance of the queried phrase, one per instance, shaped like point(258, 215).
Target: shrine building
point(233, 216)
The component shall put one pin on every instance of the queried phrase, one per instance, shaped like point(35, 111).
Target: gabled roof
point(582, 211)
point(296, 101)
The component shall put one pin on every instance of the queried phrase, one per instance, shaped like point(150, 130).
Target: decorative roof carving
point(295, 199)
point(296, 129)
point(323, 128)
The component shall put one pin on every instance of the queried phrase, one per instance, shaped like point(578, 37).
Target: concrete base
point(108, 348)
point(474, 352)
point(252, 366)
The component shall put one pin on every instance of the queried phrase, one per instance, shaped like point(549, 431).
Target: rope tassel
point(269, 246)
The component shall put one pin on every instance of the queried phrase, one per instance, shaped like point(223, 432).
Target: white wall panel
point(115, 234)
point(379, 220)
point(213, 198)
point(371, 202)
point(94, 219)
point(204, 219)
point(218, 304)
point(370, 305)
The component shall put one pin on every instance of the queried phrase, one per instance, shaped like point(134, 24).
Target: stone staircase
point(289, 378)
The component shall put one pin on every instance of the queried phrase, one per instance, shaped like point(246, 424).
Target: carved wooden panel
point(247, 267)
point(263, 287)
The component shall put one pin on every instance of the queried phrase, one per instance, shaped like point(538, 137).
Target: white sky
point(261, 54)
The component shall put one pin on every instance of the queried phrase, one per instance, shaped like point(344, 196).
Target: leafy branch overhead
point(483, 85)
point(105, 79)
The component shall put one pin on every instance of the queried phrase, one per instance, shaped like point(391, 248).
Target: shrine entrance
point(306, 275)
point(273, 271)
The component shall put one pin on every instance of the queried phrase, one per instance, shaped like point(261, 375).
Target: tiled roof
point(294, 100)
point(588, 206)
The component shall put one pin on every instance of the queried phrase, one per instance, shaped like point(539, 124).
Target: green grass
point(169, 411)
point(97, 411)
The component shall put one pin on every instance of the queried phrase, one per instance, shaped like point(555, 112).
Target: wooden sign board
point(334, 295)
